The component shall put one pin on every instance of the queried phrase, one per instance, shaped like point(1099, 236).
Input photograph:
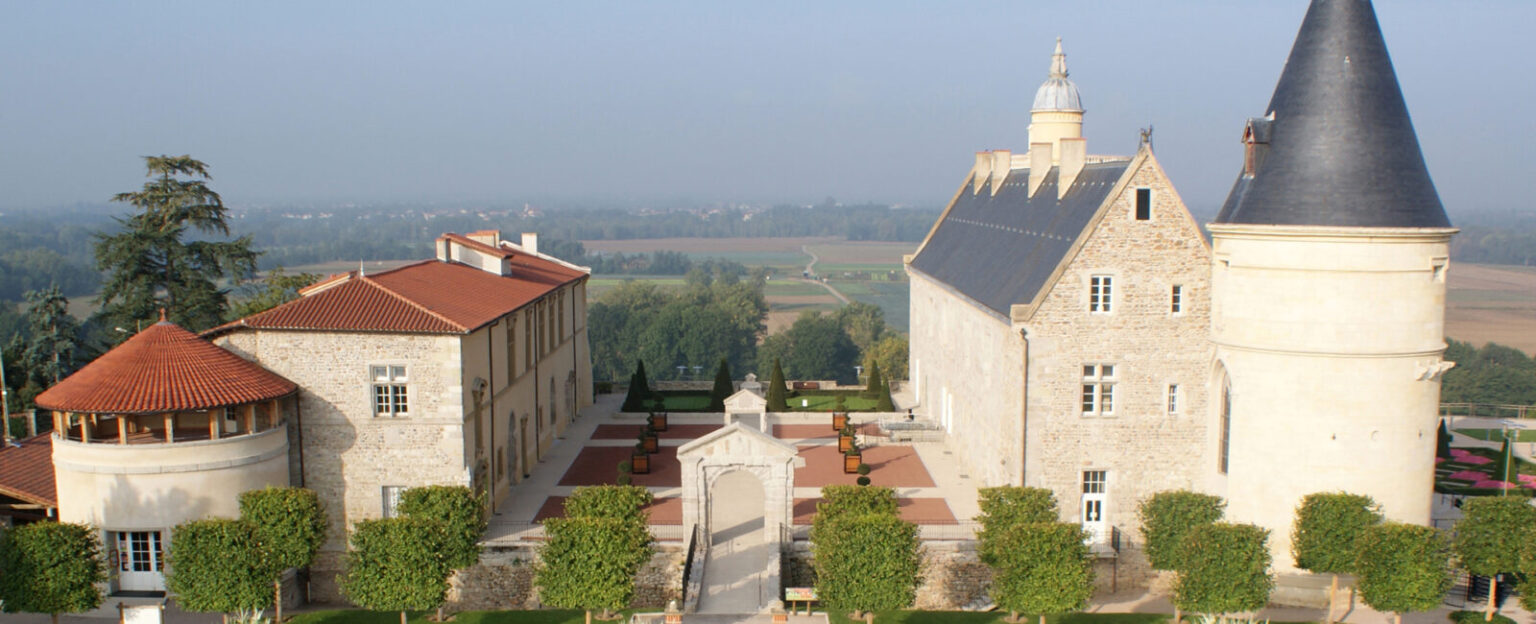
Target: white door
point(140, 561)
point(1095, 491)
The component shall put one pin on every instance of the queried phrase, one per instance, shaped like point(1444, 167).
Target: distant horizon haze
point(696, 103)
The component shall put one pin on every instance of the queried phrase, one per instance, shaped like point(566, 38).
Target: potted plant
point(657, 421)
point(852, 459)
point(648, 440)
point(640, 462)
point(845, 438)
point(839, 418)
point(625, 468)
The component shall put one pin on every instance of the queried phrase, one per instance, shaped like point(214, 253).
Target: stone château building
point(1072, 329)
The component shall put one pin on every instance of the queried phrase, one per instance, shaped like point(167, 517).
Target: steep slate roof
point(26, 472)
point(431, 296)
point(1342, 151)
point(1000, 250)
point(164, 369)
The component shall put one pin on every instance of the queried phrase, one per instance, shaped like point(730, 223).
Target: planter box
point(659, 421)
point(641, 463)
point(650, 444)
point(839, 420)
point(844, 443)
point(850, 463)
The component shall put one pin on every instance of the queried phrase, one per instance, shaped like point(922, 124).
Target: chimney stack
point(1074, 154)
point(1039, 165)
point(531, 242)
point(1002, 161)
point(980, 171)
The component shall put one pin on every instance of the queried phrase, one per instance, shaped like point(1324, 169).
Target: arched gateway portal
point(737, 486)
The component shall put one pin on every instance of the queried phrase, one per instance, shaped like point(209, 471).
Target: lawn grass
point(1497, 435)
point(357, 616)
point(820, 400)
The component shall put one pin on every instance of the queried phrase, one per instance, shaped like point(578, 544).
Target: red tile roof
point(164, 369)
point(431, 296)
point(27, 472)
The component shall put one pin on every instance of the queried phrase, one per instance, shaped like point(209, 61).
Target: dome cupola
point(1058, 93)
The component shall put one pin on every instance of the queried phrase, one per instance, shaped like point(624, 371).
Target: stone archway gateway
point(741, 572)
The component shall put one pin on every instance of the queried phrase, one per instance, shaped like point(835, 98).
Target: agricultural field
point(1492, 303)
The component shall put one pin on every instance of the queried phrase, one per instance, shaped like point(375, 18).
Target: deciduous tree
point(1225, 569)
point(217, 566)
point(1488, 538)
point(1403, 568)
point(1041, 568)
point(290, 528)
point(865, 562)
point(1325, 538)
point(151, 263)
point(396, 564)
point(1003, 508)
point(1166, 517)
point(592, 555)
point(50, 567)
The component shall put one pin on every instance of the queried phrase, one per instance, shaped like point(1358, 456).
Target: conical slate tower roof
point(1341, 149)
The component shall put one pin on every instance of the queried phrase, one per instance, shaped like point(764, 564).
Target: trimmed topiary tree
point(776, 394)
point(1501, 466)
point(841, 500)
point(592, 555)
point(290, 528)
point(1528, 570)
point(1443, 441)
point(217, 566)
point(1489, 538)
point(460, 514)
point(1041, 568)
point(865, 562)
point(1325, 537)
point(639, 390)
point(1003, 508)
point(1167, 516)
point(1225, 569)
point(722, 389)
point(397, 564)
point(51, 567)
point(1403, 568)
point(873, 383)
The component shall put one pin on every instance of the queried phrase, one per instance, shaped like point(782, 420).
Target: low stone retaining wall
point(504, 580)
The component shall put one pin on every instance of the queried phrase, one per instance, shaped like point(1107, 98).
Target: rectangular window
point(1173, 399)
point(390, 392)
point(1100, 293)
point(1176, 299)
point(1225, 449)
point(511, 348)
point(1143, 204)
point(392, 499)
point(1098, 389)
point(1095, 481)
point(560, 314)
point(528, 338)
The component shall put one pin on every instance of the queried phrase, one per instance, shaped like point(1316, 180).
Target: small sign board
point(799, 594)
point(142, 614)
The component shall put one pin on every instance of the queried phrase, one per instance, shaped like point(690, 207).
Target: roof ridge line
point(368, 279)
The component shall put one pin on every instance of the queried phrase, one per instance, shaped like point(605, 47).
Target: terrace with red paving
point(673, 432)
point(663, 511)
point(892, 466)
point(914, 510)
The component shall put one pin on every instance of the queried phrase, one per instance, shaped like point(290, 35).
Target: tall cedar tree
point(723, 387)
point(151, 263)
point(776, 400)
point(1403, 568)
point(639, 390)
point(1325, 538)
point(216, 566)
point(1003, 508)
point(591, 556)
point(1042, 568)
point(54, 335)
point(1488, 537)
point(51, 567)
point(290, 527)
point(396, 564)
point(1225, 569)
point(276, 289)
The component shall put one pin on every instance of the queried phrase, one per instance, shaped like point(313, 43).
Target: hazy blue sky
point(705, 101)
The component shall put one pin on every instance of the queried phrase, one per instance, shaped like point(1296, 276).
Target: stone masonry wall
point(1144, 448)
point(504, 580)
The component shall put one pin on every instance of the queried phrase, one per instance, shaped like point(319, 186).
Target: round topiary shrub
point(862, 480)
point(863, 469)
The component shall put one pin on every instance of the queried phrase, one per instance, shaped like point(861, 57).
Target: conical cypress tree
point(723, 387)
point(872, 387)
point(776, 398)
point(1443, 442)
point(1501, 465)
point(883, 401)
point(639, 389)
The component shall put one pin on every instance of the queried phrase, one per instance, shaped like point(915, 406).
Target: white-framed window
point(1098, 389)
point(391, 393)
point(391, 494)
point(1176, 299)
point(1143, 204)
point(1173, 399)
point(1095, 495)
point(1101, 293)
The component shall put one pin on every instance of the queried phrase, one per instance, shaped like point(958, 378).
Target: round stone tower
point(1328, 290)
point(1058, 110)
